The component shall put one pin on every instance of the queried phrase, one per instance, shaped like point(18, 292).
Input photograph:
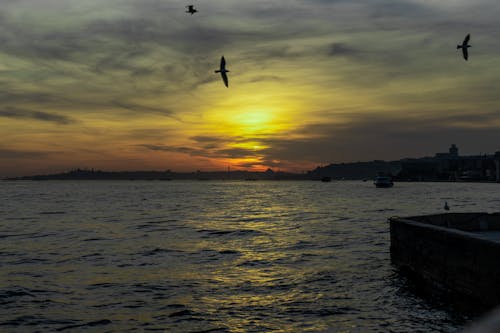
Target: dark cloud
point(234, 153)
point(205, 151)
point(210, 143)
point(208, 139)
point(222, 139)
point(278, 51)
point(138, 108)
point(266, 78)
point(246, 165)
point(193, 39)
point(123, 59)
point(391, 9)
point(21, 39)
point(173, 149)
point(17, 113)
point(21, 154)
point(342, 49)
point(10, 97)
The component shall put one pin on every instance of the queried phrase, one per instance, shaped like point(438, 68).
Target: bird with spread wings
point(222, 70)
point(191, 10)
point(465, 45)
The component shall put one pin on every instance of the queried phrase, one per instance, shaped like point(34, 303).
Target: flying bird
point(465, 46)
point(191, 10)
point(222, 70)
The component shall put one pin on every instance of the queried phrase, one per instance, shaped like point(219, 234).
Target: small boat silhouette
point(383, 181)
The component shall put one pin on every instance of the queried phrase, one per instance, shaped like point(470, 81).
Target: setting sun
point(253, 120)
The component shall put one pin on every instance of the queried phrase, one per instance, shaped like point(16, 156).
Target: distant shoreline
point(164, 175)
point(443, 167)
point(34, 179)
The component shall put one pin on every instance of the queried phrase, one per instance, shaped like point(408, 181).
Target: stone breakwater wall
point(456, 254)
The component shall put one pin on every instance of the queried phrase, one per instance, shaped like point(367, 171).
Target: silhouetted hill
point(356, 170)
point(359, 170)
point(83, 174)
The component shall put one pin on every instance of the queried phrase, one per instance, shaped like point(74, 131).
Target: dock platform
point(455, 253)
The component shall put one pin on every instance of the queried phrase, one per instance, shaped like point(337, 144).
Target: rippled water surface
point(185, 256)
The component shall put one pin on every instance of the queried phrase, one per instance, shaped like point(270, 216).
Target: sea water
point(216, 256)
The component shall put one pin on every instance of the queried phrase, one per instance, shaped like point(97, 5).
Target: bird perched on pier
point(222, 70)
point(465, 45)
point(191, 10)
point(446, 207)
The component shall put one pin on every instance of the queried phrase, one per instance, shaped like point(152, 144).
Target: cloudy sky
point(130, 84)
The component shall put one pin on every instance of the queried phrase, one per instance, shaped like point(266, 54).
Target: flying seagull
point(465, 46)
point(191, 10)
point(222, 70)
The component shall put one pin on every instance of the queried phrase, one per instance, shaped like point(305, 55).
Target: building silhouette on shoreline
point(451, 167)
point(448, 166)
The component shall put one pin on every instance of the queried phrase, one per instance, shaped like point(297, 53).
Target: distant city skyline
point(130, 85)
point(348, 168)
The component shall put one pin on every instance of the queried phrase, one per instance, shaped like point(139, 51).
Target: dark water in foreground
point(215, 256)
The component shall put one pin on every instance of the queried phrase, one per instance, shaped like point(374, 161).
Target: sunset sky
point(130, 84)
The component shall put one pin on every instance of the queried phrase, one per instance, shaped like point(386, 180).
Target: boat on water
point(383, 181)
point(326, 179)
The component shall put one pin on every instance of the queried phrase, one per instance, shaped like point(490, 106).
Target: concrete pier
point(456, 253)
